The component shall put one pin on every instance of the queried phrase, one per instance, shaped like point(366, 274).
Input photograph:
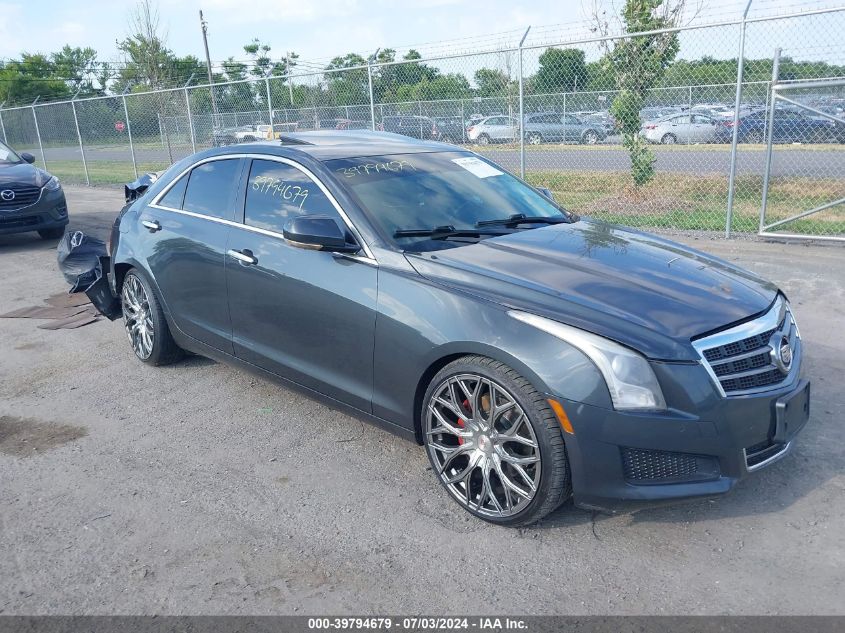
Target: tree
point(147, 60)
point(638, 63)
point(79, 69)
point(32, 76)
point(561, 70)
point(491, 82)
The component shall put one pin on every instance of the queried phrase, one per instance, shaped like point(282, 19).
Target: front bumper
point(624, 460)
point(48, 212)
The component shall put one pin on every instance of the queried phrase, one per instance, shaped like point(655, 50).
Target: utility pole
point(204, 26)
point(290, 77)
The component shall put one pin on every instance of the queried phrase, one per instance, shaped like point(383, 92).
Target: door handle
point(152, 225)
point(245, 256)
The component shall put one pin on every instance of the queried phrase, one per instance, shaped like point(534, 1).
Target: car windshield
point(442, 192)
point(8, 155)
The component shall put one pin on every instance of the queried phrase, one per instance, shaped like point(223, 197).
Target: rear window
point(211, 187)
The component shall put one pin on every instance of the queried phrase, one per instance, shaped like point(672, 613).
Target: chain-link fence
point(645, 130)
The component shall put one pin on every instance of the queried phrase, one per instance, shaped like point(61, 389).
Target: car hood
point(643, 291)
point(22, 174)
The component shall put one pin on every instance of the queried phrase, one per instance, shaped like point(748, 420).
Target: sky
point(319, 30)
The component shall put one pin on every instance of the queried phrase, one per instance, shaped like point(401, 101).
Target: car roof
point(332, 144)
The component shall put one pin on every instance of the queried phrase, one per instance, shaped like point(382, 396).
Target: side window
point(277, 192)
point(173, 198)
point(211, 186)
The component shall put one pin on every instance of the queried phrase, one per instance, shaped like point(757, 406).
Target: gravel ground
point(198, 488)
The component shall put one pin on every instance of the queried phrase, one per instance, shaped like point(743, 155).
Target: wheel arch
point(448, 353)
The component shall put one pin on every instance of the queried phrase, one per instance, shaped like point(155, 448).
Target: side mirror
point(546, 192)
point(319, 233)
point(29, 158)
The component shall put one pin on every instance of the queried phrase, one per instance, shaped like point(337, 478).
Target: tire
point(483, 139)
point(51, 234)
point(248, 139)
point(590, 137)
point(668, 139)
point(754, 137)
point(534, 138)
point(145, 323)
point(467, 445)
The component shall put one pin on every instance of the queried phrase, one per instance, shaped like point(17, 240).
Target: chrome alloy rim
point(137, 317)
point(482, 445)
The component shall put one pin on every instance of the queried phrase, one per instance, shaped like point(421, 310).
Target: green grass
point(101, 172)
point(696, 202)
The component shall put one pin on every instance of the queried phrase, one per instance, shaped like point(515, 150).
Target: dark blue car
point(535, 354)
point(788, 127)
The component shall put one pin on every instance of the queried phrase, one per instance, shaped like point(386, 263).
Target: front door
point(186, 238)
point(306, 315)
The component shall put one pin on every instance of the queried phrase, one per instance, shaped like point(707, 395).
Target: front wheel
point(494, 442)
point(534, 138)
point(145, 323)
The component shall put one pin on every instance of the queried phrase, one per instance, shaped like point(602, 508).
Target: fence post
point(190, 123)
point(129, 133)
point(2, 126)
point(38, 134)
point(521, 110)
point(81, 147)
point(370, 82)
point(269, 104)
point(740, 74)
point(769, 134)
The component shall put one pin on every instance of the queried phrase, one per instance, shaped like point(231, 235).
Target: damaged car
point(536, 355)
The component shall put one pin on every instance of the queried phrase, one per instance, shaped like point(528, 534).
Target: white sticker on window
point(477, 167)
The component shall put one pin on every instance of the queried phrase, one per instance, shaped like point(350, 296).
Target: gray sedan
point(541, 128)
point(682, 128)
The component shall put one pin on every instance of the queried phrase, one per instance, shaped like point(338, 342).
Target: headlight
point(52, 184)
point(629, 377)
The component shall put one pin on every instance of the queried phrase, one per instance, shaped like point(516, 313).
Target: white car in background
point(493, 129)
point(682, 128)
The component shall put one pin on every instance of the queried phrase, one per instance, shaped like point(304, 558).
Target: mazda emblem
point(7, 195)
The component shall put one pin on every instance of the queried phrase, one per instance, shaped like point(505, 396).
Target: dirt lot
point(201, 489)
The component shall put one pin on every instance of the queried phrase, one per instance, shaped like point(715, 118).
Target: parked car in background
point(421, 127)
point(601, 118)
point(787, 127)
point(683, 128)
point(493, 129)
point(349, 124)
point(534, 354)
point(658, 112)
point(553, 127)
point(451, 129)
point(31, 199)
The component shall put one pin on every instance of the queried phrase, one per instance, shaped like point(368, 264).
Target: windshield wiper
point(519, 218)
point(444, 232)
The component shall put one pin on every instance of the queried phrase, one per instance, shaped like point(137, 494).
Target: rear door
point(185, 232)
point(306, 315)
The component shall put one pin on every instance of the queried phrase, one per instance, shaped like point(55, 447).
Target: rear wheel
point(590, 137)
point(494, 442)
point(145, 323)
point(668, 139)
point(484, 140)
point(534, 138)
point(51, 234)
point(754, 137)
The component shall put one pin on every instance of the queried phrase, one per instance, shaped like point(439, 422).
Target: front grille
point(745, 359)
point(25, 195)
point(643, 466)
point(17, 223)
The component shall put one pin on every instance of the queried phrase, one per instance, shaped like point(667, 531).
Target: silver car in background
point(493, 129)
point(682, 128)
point(553, 127)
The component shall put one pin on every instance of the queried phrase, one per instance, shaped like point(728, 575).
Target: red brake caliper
point(461, 422)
